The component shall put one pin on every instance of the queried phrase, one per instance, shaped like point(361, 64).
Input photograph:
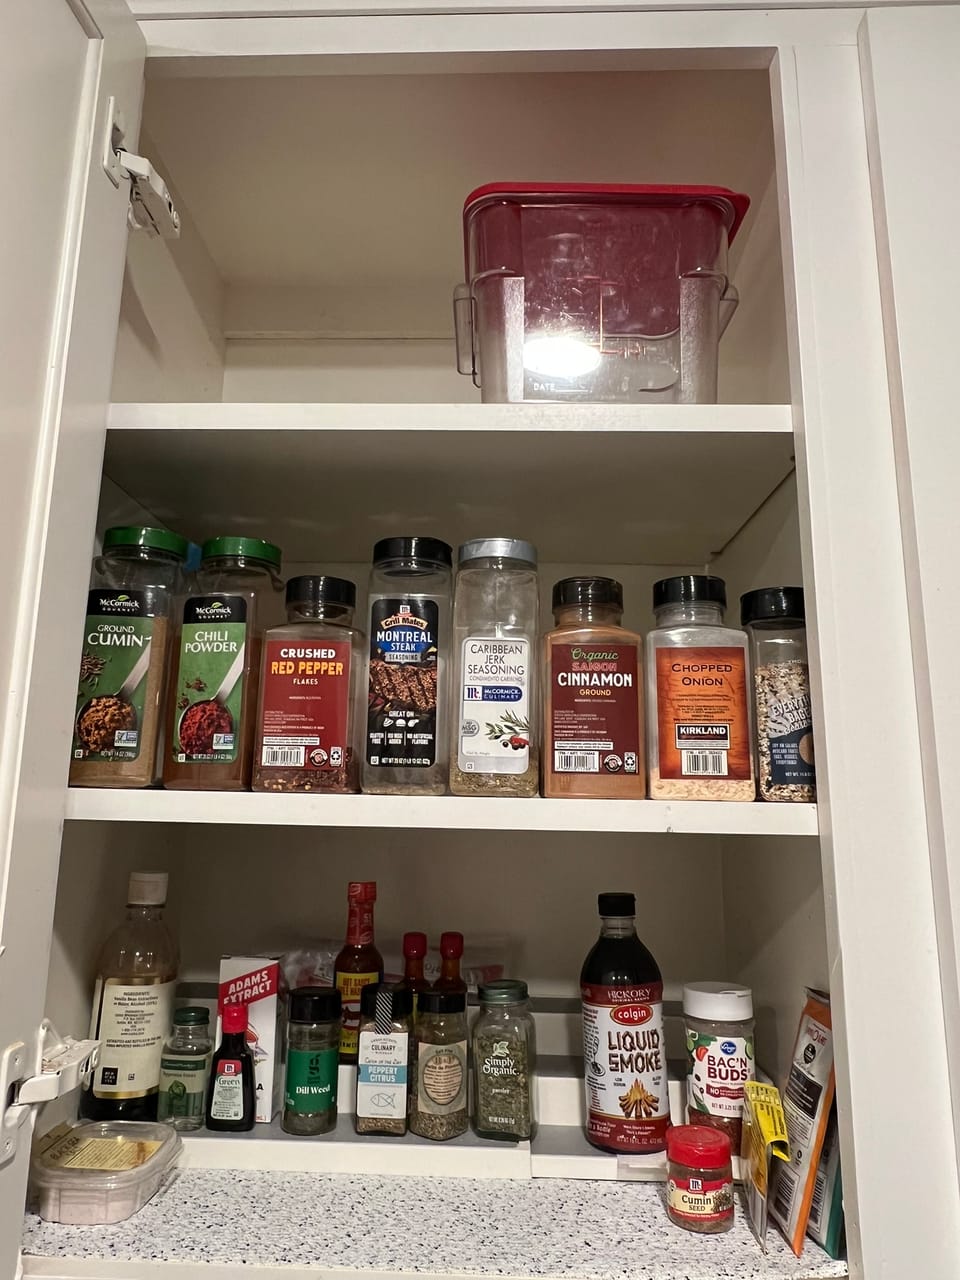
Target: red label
point(229, 1067)
point(360, 924)
point(703, 1199)
point(595, 709)
point(625, 1067)
point(305, 704)
point(247, 988)
point(702, 713)
point(632, 1015)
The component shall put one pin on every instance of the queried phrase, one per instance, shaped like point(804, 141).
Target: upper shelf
point(612, 484)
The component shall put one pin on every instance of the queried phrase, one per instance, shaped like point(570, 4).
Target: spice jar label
point(311, 1080)
point(702, 713)
point(402, 693)
point(227, 1099)
point(502, 1084)
point(130, 1022)
point(350, 985)
point(701, 1201)
point(117, 644)
point(305, 705)
point(183, 1086)
point(442, 1078)
point(382, 1079)
point(595, 709)
point(625, 1066)
point(717, 1069)
point(784, 729)
point(209, 680)
point(494, 706)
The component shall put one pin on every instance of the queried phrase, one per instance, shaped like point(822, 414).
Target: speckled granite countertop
point(556, 1228)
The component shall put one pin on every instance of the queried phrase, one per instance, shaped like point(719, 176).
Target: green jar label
point(183, 1086)
point(311, 1083)
point(113, 681)
point(209, 682)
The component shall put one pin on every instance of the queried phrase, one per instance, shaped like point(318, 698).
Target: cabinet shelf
point(453, 813)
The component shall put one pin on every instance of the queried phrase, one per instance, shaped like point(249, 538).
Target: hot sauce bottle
point(414, 950)
point(451, 952)
point(359, 962)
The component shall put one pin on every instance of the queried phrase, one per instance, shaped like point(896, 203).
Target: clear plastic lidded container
point(96, 1174)
point(596, 293)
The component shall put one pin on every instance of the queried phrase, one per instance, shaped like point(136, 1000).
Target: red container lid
point(451, 945)
point(414, 944)
point(235, 1018)
point(698, 1147)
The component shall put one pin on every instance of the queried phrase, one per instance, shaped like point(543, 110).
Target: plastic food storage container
point(596, 293)
point(94, 1174)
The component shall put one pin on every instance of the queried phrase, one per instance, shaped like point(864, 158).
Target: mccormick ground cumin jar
point(123, 661)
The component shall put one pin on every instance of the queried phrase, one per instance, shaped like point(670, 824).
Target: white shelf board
point(454, 813)
point(562, 1151)
point(615, 484)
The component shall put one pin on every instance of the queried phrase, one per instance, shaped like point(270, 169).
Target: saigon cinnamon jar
point(593, 695)
point(216, 667)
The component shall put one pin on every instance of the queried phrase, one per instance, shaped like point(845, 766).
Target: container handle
point(464, 312)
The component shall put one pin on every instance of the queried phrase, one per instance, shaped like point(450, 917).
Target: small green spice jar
point(313, 1058)
point(438, 1096)
point(504, 1063)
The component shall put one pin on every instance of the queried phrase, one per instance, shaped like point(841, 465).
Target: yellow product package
point(764, 1140)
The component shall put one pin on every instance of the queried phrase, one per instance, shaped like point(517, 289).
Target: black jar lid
point(617, 904)
point(572, 591)
point(315, 1004)
point(392, 1000)
point(320, 589)
point(772, 604)
point(441, 1002)
point(690, 588)
point(428, 550)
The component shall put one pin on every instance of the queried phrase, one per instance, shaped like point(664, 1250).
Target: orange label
point(350, 985)
point(702, 721)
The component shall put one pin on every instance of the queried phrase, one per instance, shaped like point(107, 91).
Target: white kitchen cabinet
point(285, 369)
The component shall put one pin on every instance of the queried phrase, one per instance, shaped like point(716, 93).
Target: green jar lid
point(249, 548)
point(153, 539)
point(503, 991)
point(194, 1015)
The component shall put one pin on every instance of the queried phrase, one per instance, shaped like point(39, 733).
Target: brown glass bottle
point(414, 950)
point(624, 1056)
point(359, 962)
point(593, 696)
point(451, 952)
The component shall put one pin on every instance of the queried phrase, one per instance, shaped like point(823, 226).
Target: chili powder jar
point(699, 1179)
point(216, 668)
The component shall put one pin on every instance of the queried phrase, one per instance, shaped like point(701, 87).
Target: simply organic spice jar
point(308, 728)
point(123, 662)
point(216, 667)
point(504, 1054)
point(593, 695)
point(699, 715)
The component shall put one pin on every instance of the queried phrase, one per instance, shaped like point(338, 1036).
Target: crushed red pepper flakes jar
point(699, 1179)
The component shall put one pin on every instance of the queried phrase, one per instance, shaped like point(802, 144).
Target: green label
point(209, 689)
point(183, 1086)
point(311, 1080)
point(112, 686)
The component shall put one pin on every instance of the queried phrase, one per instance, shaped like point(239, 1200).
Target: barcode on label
point(783, 1196)
point(816, 1204)
point(576, 761)
point(291, 757)
point(712, 764)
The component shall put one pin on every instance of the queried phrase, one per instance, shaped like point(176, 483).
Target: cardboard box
point(255, 982)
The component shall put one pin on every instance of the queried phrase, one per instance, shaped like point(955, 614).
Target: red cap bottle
point(451, 950)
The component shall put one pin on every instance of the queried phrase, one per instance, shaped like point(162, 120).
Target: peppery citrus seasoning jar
point(699, 1179)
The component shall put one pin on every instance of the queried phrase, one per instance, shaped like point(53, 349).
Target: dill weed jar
point(313, 1060)
point(123, 662)
point(438, 1095)
point(504, 1062)
point(216, 669)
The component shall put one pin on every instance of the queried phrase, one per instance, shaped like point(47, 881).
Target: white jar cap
point(147, 889)
point(718, 1001)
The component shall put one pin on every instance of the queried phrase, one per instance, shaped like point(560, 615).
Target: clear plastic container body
point(781, 691)
point(495, 748)
point(504, 1056)
point(96, 1195)
point(407, 712)
point(594, 294)
point(681, 687)
point(239, 583)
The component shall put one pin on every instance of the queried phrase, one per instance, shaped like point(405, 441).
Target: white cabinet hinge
point(151, 205)
point(31, 1074)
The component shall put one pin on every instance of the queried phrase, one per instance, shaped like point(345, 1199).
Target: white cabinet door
point(62, 241)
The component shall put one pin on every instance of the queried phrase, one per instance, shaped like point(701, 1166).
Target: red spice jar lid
point(235, 1018)
point(451, 945)
point(698, 1147)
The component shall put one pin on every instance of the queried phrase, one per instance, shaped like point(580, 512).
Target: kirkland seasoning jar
point(185, 1069)
point(775, 621)
point(312, 1061)
point(216, 667)
point(504, 1054)
point(438, 1095)
point(593, 695)
point(123, 663)
point(718, 1025)
point(496, 633)
point(698, 710)
point(383, 1058)
point(407, 737)
point(308, 732)
point(699, 1180)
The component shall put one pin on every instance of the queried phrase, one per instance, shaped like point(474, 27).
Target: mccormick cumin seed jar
point(699, 1179)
